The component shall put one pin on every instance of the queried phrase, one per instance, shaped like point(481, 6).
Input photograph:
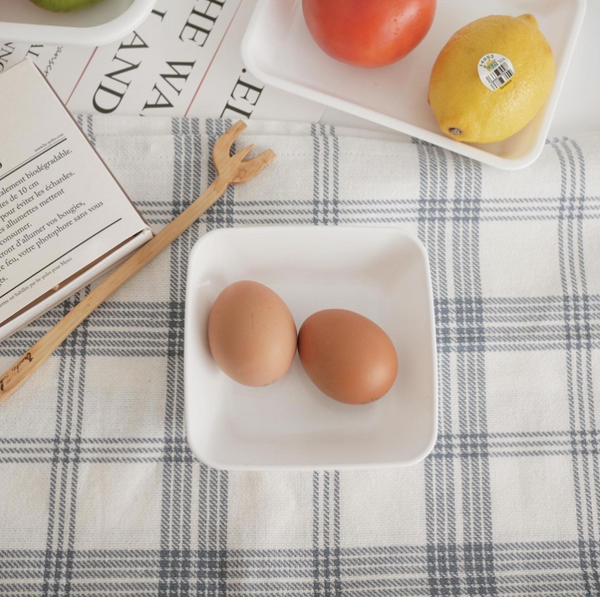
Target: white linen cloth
point(99, 493)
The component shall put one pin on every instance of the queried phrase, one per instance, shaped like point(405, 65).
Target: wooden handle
point(46, 345)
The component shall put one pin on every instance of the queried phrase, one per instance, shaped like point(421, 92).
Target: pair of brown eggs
point(253, 339)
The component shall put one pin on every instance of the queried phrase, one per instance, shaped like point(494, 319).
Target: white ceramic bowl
point(279, 50)
point(381, 273)
point(109, 21)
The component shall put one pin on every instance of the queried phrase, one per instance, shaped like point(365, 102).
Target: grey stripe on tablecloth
point(578, 356)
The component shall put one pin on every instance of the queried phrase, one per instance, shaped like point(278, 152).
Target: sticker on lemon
point(491, 78)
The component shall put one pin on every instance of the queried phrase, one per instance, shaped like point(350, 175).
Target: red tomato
point(368, 33)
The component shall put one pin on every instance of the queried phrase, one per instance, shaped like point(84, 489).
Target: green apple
point(64, 5)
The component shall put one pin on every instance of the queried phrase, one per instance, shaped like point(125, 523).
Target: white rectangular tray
point(381, 273)
point(109, 21)
point(278, 49)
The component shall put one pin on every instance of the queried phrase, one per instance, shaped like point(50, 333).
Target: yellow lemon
point(491, 78)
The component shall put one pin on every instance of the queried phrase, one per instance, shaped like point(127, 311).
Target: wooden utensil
point(231, 170)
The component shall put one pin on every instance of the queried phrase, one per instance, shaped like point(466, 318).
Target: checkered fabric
point(100, 495)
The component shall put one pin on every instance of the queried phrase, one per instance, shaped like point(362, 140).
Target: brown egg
point(347, 356)
point(252, 334)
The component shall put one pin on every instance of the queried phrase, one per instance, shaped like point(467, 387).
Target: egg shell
point(252, 334)
point(347, 356)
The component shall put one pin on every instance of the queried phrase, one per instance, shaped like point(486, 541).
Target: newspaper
point(183, 60)
point(53, 223)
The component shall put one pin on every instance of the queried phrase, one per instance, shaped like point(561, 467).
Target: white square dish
point(279, 50)
point(381, 273)
point(98, 25)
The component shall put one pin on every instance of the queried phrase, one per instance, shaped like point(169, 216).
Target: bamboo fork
point(231, 170)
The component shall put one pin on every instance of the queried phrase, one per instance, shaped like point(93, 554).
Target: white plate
point(279, 50)
point(109, 21)
point(381, 273)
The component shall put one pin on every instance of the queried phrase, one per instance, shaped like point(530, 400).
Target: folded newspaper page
point(61, 210)
point(184, 60)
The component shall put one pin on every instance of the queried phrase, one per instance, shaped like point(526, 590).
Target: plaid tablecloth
point(99, 494)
